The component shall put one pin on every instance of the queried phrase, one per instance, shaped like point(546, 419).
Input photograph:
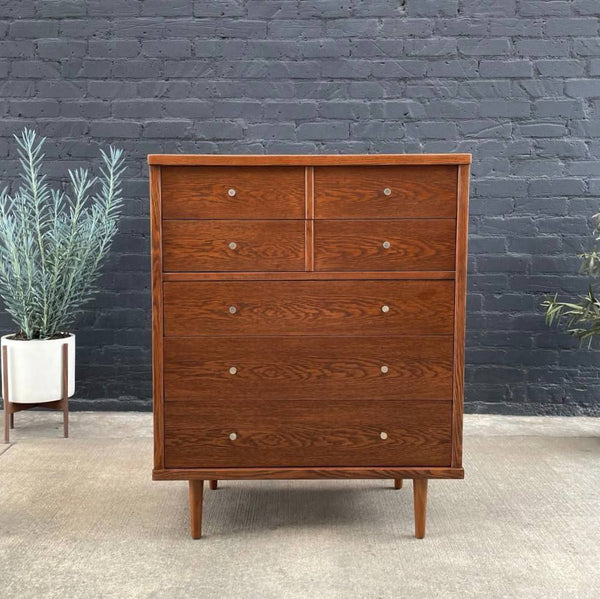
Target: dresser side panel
point(157, 314)
point(460, 290)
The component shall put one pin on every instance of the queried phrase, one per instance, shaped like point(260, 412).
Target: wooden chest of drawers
point(308, 318)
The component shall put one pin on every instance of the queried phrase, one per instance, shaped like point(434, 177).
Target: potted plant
point(580, 318)
point(52, 244)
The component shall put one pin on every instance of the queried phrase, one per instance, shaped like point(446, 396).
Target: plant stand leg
point(7, 410)
point(397, 483)
point(12, 420)
point(213, 485)
point(196, 492)
point(420, 499)
point(65, 389)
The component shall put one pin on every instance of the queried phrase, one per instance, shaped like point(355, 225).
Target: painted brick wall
point(515, 82)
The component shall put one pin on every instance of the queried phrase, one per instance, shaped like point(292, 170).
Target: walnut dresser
point(308, 318)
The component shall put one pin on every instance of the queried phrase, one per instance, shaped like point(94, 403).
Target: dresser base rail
point(304, 473)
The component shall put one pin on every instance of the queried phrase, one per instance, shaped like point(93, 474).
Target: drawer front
point(386, 192)
point(402, 245)
point(331, 368)
point(233, 192)
point(217, 433)
point(308, 308)
point(213, 245)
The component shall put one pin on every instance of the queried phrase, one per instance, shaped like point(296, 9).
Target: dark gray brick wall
point(515, 82)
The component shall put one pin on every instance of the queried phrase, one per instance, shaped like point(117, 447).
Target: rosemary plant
point(52, 243)
point(580, 318)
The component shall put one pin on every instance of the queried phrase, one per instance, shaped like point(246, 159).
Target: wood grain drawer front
point(352, 245)
point(308, 308)
point(219, 245)
point(386, 192)
point(331, 368)
point(217, 433)
point(233, 192)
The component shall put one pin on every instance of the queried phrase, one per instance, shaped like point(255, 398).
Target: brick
point(167, 48)
point(556, 187)
point(432, 8)
point(559, 108)
point(542, 47)
point(586, 47)
point(499, 108)
point(113, 128)
point(321, 131)
point(560, 68)
point(583, 88)
point(543, 8)
point(456, 69)
point(113, 48)
point(572, 27)
point(505, 68)
point(484, 46)
point(26, 28)
point(59, 49)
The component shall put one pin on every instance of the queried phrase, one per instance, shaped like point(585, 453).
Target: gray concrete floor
point(81, 518)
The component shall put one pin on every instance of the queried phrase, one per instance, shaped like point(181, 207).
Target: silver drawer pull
point(383, 435)
point(387, 191)
point(231, 192)
point(384, 369)
point(233, 370)
point(232, 245)
point(385, 309)
point(387, 245)
point(232, 309)
point(232, 436)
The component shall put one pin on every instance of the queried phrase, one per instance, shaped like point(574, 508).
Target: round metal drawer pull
point(386, 245)
point(387, 191)
point(385, 369)
point(231, 192)
point(232, 245)
point(233, 370)
point(232, 436)
point(232, 309)
point(383, 435)
point(385, 309)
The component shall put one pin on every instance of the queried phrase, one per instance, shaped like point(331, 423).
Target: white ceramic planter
point(35, 369)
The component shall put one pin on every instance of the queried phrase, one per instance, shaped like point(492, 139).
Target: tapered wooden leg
point(213, 485)
point(12, 420)
point(397, 483)
point(5, 393)
point(196, 493)
point(420, 497)
point(65, 389)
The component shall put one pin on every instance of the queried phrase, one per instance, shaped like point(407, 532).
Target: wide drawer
point(386, 192)
point(331, 368)
point(218, 433)
point(233, 192)
point(308, 307)
point(219, 245)
point(408, 244)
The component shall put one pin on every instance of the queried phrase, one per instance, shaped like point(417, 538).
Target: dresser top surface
point(306, 159)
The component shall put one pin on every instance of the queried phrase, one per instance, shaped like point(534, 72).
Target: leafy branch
point(580, 318)
point(52, 243)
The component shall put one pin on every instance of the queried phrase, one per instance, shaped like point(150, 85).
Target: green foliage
point(580, 318)
point(52, 243)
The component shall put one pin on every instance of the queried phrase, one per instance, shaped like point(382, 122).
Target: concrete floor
point(81, 518)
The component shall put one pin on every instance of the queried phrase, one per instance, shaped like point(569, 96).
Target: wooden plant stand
point(10, 408)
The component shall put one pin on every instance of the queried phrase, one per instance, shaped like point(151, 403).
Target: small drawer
point(230, 308)
point(394, 245)
point(386, 192)
point(233, 433)
point(331, 368)
point(232, 192)
point(215, 245)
